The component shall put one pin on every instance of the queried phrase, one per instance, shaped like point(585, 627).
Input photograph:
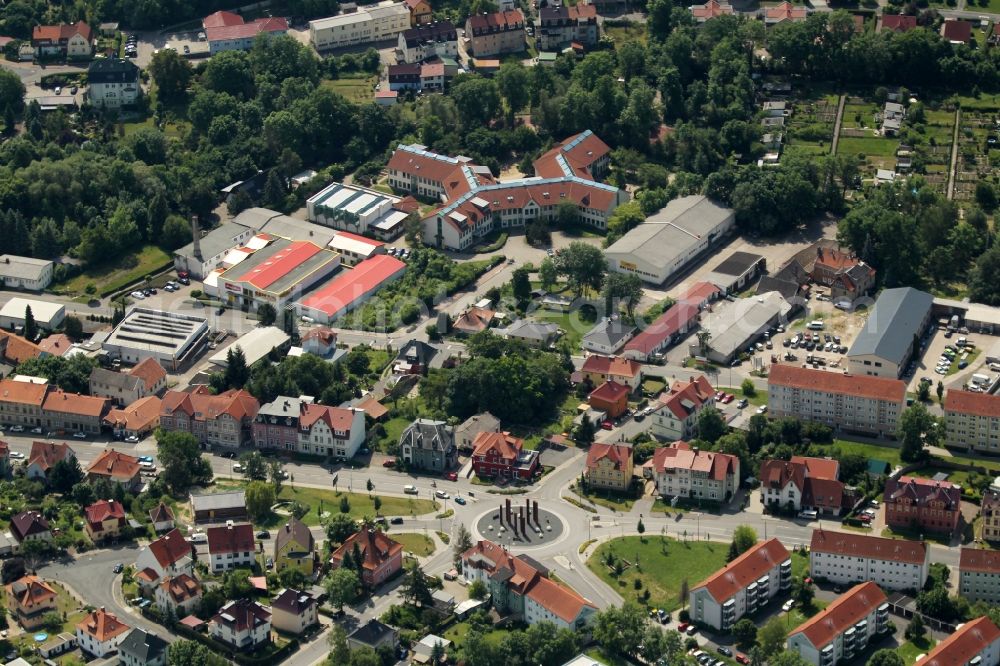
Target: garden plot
point(859, 135)
point(810, 127)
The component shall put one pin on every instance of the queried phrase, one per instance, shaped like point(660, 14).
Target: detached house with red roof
point(783, 12)
point(500, 455)
point(802, 483)
point(609, 466)
point(116, 467)
point(168, 556)
point(973, 420)
point(29, 599)
point(521, 586)
point(974, 643)
point(100, 632)
point(682, 471)
point(844, 628)
point(227, 31)
point(610, 398)
point(43, 456)
point(180, 593)
point(104, 520)
point(922, 504)
point(381, 558)
point(599, 369)
point(845, 274)
point(675, 413)
point(73, 40)
point(848, 557)
point(223, 420)
point(230, 547)
point(743, 586)
point(898, 22)
point(710, 10)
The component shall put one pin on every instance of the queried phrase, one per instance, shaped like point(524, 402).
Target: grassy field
point(170, 129)
point(626, 33)
point(887, 453)
point(359, 89)
point(574, 325)
point(394, 428)
point(757, 400)
point(112, 277)
point(660, 564)
point(910, 650)
point(457, 632)
point(420, 545)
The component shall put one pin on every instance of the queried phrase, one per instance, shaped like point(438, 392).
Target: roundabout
point(521, 524)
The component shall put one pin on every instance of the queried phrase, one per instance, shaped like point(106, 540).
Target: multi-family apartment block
point(681, 470)
point(979, 575)
point(495, 34)
point(297, 424)
point(861, 404)
point(844, 628)
point(847, 557)
point(560, 26)
point(223, 420)
point(743, 586)
point(922, 504)
point(972, 420)
point(675, 413)
point(975, 643)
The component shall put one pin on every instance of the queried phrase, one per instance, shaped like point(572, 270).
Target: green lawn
point(870, 146)
point(394, 428)
point(66, 605)
point(457, 632)
point(358, 89)
point(607, 498)
point(760, 398)
point(169, 129)
point(574, 325)
point(661, 564)
point(626, 33)
point(418, 544)
point(887, 453)
point(910, 650)
point(982, 102)
point(112, 277)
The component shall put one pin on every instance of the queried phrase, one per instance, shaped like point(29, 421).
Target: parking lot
point(956, 377)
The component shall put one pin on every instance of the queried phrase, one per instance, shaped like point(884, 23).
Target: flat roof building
point(256, 345)
point(737, 271)
point(46, 314)
point(885, 344)
point(372, 23)
point(25, 272)
point(170, 338)
point(211, 248)
point(356, 209)
point(733, 326)
point(670, 239)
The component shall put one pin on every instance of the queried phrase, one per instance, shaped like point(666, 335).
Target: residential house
point(783, 12)
point(56, 344)
point(973, 420)
point(957, 31)
point(72, 412)
point(223, 421)
point(240, 35)
point(219, 507)
point(297, 424)
point(610, 398)
point(116, 467)
point(898, 22)
point(429, 445)
point(976, 643)
point(403, 77)
point(467, 431)
point(920, 504)
point(29, 599)
point(294, 547)
point(532, 333)
point(843, 629)
point(14, 349)
point(609, 467)
point(710, 10)
point(230, 547)
point(21, 402)
point(321, 341)
point(137, 419)
point(180, 594)
point(430, 40)
point(373, 634)
point(561, 26)
point(989, 511)
point(979, 575)
point(598, 369)
point(381, 557)
point(243, 624)
point(685, 472)
point(675, 412)
point(802, 483)
point(845, 274)
point(100, 633)
point(495, 34)
point(29, 526)
point(142, 648)
point(166, 557)
point(414, 358)
point(152, 374)
point(520, 586)
point(501, 455)
point(293, 612)
point(104, 520)
point(743, 586)
point(113, 83)
point(852, 403)
point(43, 456)
point(72, 40)
point(473, 320)
point(608, 336)
point(847, 557)
point(420, 11)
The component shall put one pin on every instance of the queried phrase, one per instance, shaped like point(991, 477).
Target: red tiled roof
point(30, 591)
point(559, 600)
point(503, 444)
point(161, 514)
point(16, 349)
point(73, 403)
point(220, 19)
point(853, 544)
point(200, 405)
point(280, 264)
point(56, 344)
point(875, 388)
point(170, 548)
point(818, 468)
point(785, 11)
point(103, 626)
point(230, 539)
point(474, 320)
point(776, 474)
point(24, 393)
point(610, 391)
point(613, 366)
point(247, 30)
point(47, 454)
point(957, 31)
point(114, 465)
point(836, 260)
point(140, 415)
point(149, 371)
point(964, 644)
point(580, 151)
point(979, 560)
point(372, 407)
point(618, 454)
point(923, 491)
point(337, 418)
point(711, 9)
point(695, 392)
point(361, 239)
point(679, 455)
point(745, 569)
point(324, 334)
point(102, 510)
point(977, 404)
point(848, 609)
point(181, 588)
point(354, 284)
point(497, 21)
point(898, 22)
point(56, 33)
point(434, 168)
point(376, 548)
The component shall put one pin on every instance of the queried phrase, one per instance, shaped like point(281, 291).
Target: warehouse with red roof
point(351, 288)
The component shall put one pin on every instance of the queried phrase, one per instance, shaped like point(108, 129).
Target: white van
point(815, 325)
point(808, 514)
point(198, 537)
point(980, 379)
point(410, 490)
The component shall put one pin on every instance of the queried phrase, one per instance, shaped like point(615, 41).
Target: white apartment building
point(847, 557)
point(682, 471)
point(743, 586)
point(973, 420)
point(844, 628)
point(975, 643)
point(372, 23)
point(853, 403)
point(979, 575)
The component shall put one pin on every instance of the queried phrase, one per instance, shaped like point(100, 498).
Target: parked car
point(742, 403)
point(17, 428)
point(742, 658)
point(80, 435)
point(389, 462)
point(787, 606)
point(691, 631)
point(396, 521)
point(237, 467)
point(17, 455)
point(440, 494)
point(728, 398)
point(263, 534)
point(198, 537)
point(724, 651)
point(132, 439)
point(138, 295)
point(762, 409)
point(451, 476)
point(607, 425)
point(269, 564)
point(682, 627)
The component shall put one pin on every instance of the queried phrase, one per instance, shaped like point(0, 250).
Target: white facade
point(46, 314)
point(25, 272)
point(856, 413)
point(669, 427)
point(113, 95)
point(319, 438)
point(99, 649)
point(226, 561)
point(886, 572)
point(371, 24)
point(534, 612)
point(181, 608)
point(146, 560)
point(979, 586)
point(845, 645)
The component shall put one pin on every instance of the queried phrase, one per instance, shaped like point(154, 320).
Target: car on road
point(147, 465)
point(263, 534)
point(607, 425)
point(237, 467)
point(440, 494)
point(724, 651)
point(132, 439)
point(398, 520)
point(410, 490)
point(59, 90)
point(16, 454)
point(80, 435)
point(808, 514)
point(451, 476)
point(389, 462)
point(787, 606)
point(187, 49)
point(118, 568)
point(459, 500)
point(37, 430)
point(17, 428)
